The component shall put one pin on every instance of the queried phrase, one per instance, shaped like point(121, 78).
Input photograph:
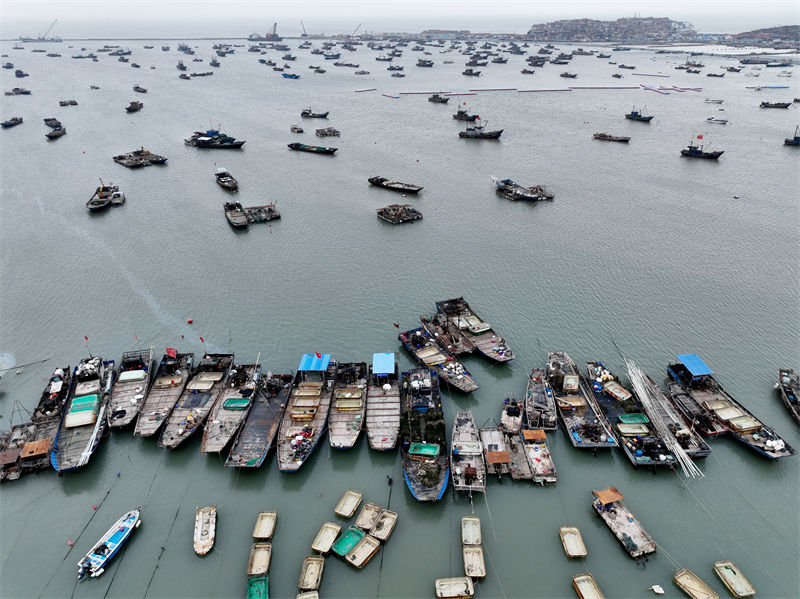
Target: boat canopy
point(533, 434)
point(609, 495)
point(695, 365)
point(315, 362)
point(424, 451)
point(383, 363)
point(33, 449)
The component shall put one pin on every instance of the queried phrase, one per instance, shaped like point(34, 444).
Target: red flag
point(699, 137)
point(172, 353)
point(319, 355)
point(135, 337)
point(397, 326)
point(465, 103)
point(477, 118)
point(86, 338)
point(201, 340)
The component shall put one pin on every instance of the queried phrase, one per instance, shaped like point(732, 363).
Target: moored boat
point(475, 330)
point(225, 179)
point(446, 334)
point(474, 564)
point(775, 104)
point(540, 460)
point(347, 540)
point(793, 141)
point(134, 106)
point(691, 584)
point(348, 405)
point(205, 529)
point(313, 149)
point(13, 441)
point(462, 115)
point(468, 469)
point(438, 99)
point(52, 122)
point(325, 537)
point(213, 139)
point(572, 541)
point(235, 215)
point(311, 573)
point(498, 459)
point(693, 151)
point(131, 386)
point(512, 190)
point(638, 115)
point(105, 196)
point(12, 122)
point(479, 132)
point(430, 354)
point(540, 406)
point(265, 525)
point(609, 137)
point(424, 449)
point(169, 381)
point(471, 530)
point(399, 213)
point(363, 551)
point(95, 562)
point(307, 113)
point(258, 587)
point(260, 557)
point(46, 417)
point(232, 407)
point(384, 525)
point(394, 185)
point(732, 577)
point(383, 403)
point(199, 396)
point(789, 386)
point(622, 523)
point(349, 503)
point(56, 133)
point(306, 413)
point(586, 586)
point(368, 516)
point(459, 587)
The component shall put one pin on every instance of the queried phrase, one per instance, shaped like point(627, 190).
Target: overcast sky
point(236, 17)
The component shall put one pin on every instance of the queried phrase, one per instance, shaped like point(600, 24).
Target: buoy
point(70, 543)
point(189, 320)
point(94, 507)
point(117, 473)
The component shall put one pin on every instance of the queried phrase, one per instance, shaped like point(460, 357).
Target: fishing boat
point(399, 213)
point(691, 584)
point(134, 106)
point(712, 101)
point(18, 91)
point(716, 121)
point(459, 587)
point(307, 113)
point(257, 434)
point(572, 541)
point(383, 403)
point(693, 151)
point(424, 63)
point(540, 406)
point(609, 137)
point(479, 132)
point(131, 386)
point(422, 429)
point(474, 329)
point(709, 399)
point(540, 459)
point(325, 537)
point(12, 442)
point(311, 573)
point(205, 529)
point(12, 122)
point(258, 587)
point(56, 133)
point(200, 394)
point(498, 459)
point(139, 89)
point(394, 185)
point(469, 469)
point(235, 215)
point(306, 413)
point(169, 381)
point(636, 115)
point(230, 410)
point(470, 72)
point(775, 104)
point(290, 76)
point(105, 196)
point(512, 190)
point(348, 406)
point(793, 141)
point(429, 354)
point(313, 149)
point(621, 521)
point(732, 577)
point(213, 139)
point(568, 75)
point(225, 180)
point(638, 438)
point(462, 115)
point(52, 122)
point(384, 525)
point(83, 424)
point(446, 334)
point(265, 525)
point(35, 454)
point(349, 503)
point(260, 557)
point(582, 419)
point(94, 563)
point(789, 387)
point(363, 551)
point(438, 99)
point(586, 586)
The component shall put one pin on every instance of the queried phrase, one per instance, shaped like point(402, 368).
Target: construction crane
point(44, 35)
point(304, 34)
point(354, 30)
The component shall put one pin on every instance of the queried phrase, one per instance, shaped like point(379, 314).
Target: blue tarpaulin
point(695, 364)
point(382, 363)
point(312, 362)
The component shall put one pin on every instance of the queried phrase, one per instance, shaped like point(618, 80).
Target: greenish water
point(640, 250)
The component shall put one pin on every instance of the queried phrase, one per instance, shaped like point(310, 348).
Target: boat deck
point(130, 388)
point(232, 407)
point(446, 334)
point(168, 384)
point(383, 413)
point(520, 467)
point(475, 330)
point(498, 459)
point(348, 405)
point(629, 532)
point(469, 470)
point(540, 406)
point(688, 438)
point(543, 469)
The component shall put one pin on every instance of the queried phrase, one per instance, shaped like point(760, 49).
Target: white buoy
point(656, 588)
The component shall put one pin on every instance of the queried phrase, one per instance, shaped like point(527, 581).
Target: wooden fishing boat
point(235, 215)
point(349, 503)
point(572, 541)
point(348, 406)
point(205, 529)
point(475, 330)
point(540, 460)
point(511, 426)
point(35, 454)
point(394, 185)
point(260, 556)
point(364, 550)
point(368, 516)
point(474, 565)
point(306, 413)
point(469, 468)
point(347, 540)
point(384, 525)
point(95, 562)
point(326, 537)
point(789, 387)
point(578, 412)
point(446, 334)
point(131, 386)
point(311, 573)
point(231, 409)
point(169, 382)
point(697, 381)
point(471, 530)
point(429, 354)
point(313, 149)
point(424, 450)
point(265, 525)
point(383, 403)
point(691, 584)
point(498, 459)
point(586, 587)
point(460, 587)
point(258, 587)
point(13, 441)
point(540, 406)
point(732, 577)
point(257, 434)
point(307, 113)
point(201, 393)
point(621, 521)
point(225, 180)
point(84, 423)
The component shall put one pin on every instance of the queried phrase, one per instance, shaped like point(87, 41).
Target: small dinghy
point(384, 525)
point(226, 180)
point(363, 551)
point(94, 562)
point(733, 578)
point(368, 516)
point(326, 537)
point(347, 540)
point(311, 573)
point(572, 541)
point(460, 587)
point(691, 584)
point(308, 595)
point(205, 527)
point(348, 503)
point(586, 587)
point(258, 587)
point(474, 565)
point(260, 557)
point(265, 525)
point(470, 530)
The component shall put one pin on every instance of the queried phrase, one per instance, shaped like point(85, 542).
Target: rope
point(24, 365)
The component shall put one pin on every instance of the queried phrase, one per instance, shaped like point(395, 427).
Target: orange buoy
point(190, 320)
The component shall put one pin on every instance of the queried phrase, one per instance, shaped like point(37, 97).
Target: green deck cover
point(236, 404)
point(258, 587)
point(347, 541)
point(424, 450)
point(633, 418)
point(83, 404)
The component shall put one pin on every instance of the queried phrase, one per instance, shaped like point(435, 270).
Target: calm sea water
point(641, 250)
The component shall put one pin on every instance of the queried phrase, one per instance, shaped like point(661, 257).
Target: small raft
point(205, 527)
point(258, 587)
point(347, 541)
point(474, 565)
point(311, 573)
point(368, 516)
point(363, 551)
point(732, 577)
point(384, 525)
point(586, 587)
point(265, 525)
point(348, 503)
point(454, 588)
point(260, 557)
point(691, 584)
point(572, 541)
point(470, 530)
point(326, 537)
